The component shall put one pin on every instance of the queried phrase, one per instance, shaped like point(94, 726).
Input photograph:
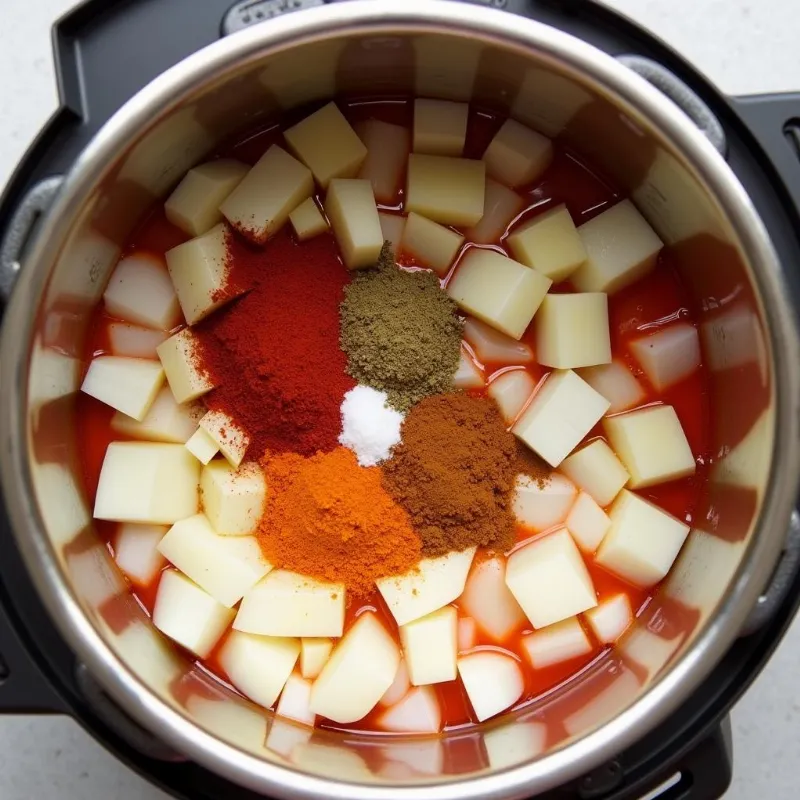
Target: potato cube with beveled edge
point(669, 355)
point(597, 470)
point(433, 244)
point(430, 647)
point(233, 441)
point(500, 206)
point(350, 206)
point(307, 220)
point(165, 420)
point(616, 383)
point(447, 190)
point(587, 523)
point(233, 499)
point(202, 446)
point(440, 127)
point(511, 391)
point(314, 654)
point(562, 641)
point(517, 155)
point(572, 330)
point(387, 154)
point(179, 356)
point(129, 385)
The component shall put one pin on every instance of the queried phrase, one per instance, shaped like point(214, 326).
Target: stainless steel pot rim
point(377, 16)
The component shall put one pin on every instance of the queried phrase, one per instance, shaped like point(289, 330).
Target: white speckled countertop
point(747, 47)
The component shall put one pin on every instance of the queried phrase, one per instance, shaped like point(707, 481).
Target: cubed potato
point(327, 145)
point(260, 205)
point(433, 584)
point(232, 439)
point(417, 712)
point(295, 701)
point(500, 292)
point(194, 205)
point(350, 206)
point(587, 523)
point(440, 127)
point(512, 745)
point(140, 291)
point(286, 738)
point(314, 653)
point(542, 504)
point(224, 566)
point(202, 446)
point(399, 688)
point(188, 615)
point(649, 651)
point(134, 341)
point(556, 643)
point(488, 601)
point(642, 542)
point(129, 385)
point(572, 330)
point(468, 375)
point(500, 206)
point(287, 604)
point(233, 499)
point(561, 413)
point(147, 482)
point(430, 244)
point(430, 647)
point(185, 376)
point(387, 154)
point(259, 666)
point(358, 673)
point(493, 681)
point(136, 551)
point(511, 390)
point(651, 444)
point(307, 220)
point(446, 190)
point(597, 471)
point(549, 243)
point(549, 579)
point(517, 155)
point(493, 347)
point(610, 619)
point(165, 420)
point(467, 633)
point(668, 356)
point(621, 247)
point(392, 228)
point(616, 383)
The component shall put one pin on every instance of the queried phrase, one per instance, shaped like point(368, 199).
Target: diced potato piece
point(387, 154)
point(399, 688)
point(314, 652)
point(511, 745)
point(202, 446)
point(651, 444)
point(224, 566)
point(549, 579)
point(561, 413)
point(259, 666)
point(260, 205)
point(194, 205)
point(488, 601)
point(587, 523)
point(133, 341)
point(307, 220)
point(468, 375)
point(129, 385)
point(669, 355)
point(446, 190)
point(500, 206)
point(140, 291)
point(350, 206)
point(642, 542)
point(184, 375)
point(392, 227)
point(327, 145)
point(232, 440)
point(433, 584)
point(417, 712)
point(610, 619)
point(493, 347)
point(188, 615)
point(511, 391)
point(287, 738)
point(556, 643)
point(596, 469)
point(136, 551)
point(517, 155)
point(434, 245)
point(165, 420)
point(572, 330)
point(542, 504)
point(493, 681)
point(359, 672)
point(295, 702)
point(440, 127)
point(147, 482)
point(497, 290)
point(648, 650)
point(287, 604)
point(549, 243)
point(233, 499)
point(616, 383)
point(430, 647)
point(621, 247)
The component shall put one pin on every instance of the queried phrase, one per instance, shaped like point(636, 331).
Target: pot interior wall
point(536, 91)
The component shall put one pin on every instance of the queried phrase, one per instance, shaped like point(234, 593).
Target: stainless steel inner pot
point(564, 88)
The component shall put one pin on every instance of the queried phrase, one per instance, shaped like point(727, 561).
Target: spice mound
point(401, 334)
point(328, 518)
point(454, 473)
point(370, 428)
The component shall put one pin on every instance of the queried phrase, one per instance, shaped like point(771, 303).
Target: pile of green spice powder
point(401, 333)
